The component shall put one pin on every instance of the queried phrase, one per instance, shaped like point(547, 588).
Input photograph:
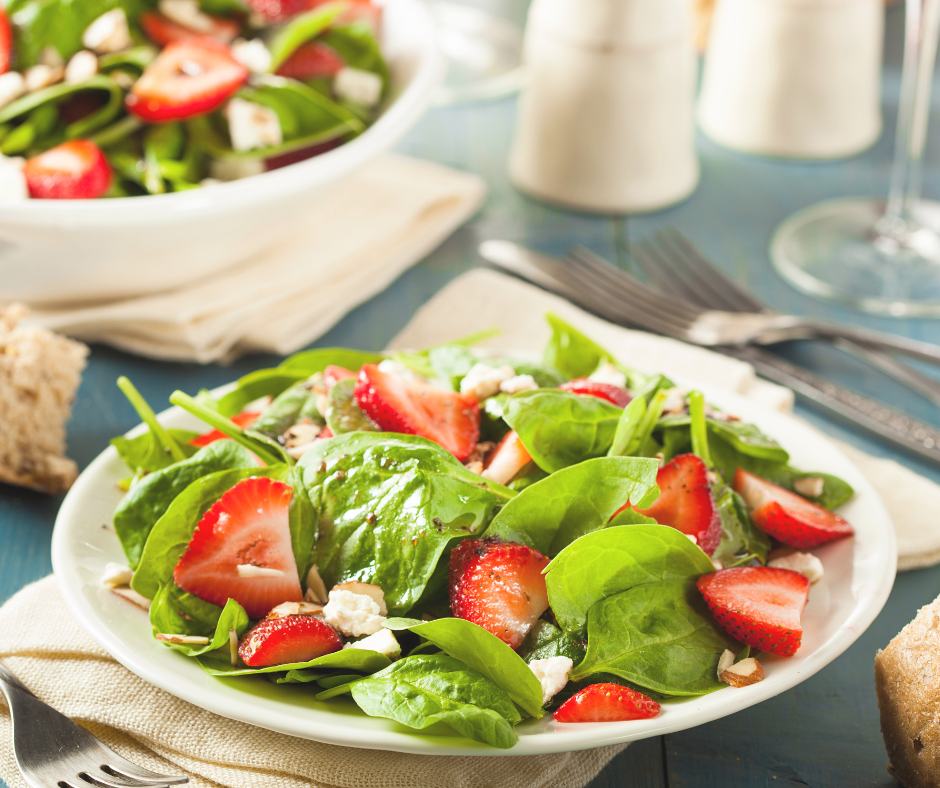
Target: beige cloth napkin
point(371, 228)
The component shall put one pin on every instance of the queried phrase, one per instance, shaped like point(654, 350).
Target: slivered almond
point(186, 640)
point(366, 589)
point(250, 570)
point(233, 646)
point(810, 486)
point(747, 671)
point(295, 609)
point(116, 575)
point(133, 597)
point(316, 588)
point(725, 661)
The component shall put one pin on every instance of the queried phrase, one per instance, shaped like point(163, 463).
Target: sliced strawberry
point(244, 420)
point(282, 10)
point(247, 526)
point(333, 375)
point(607, 703)
point(313, 60)
point(325, 433)
point(498, 585)
point(686, 501)
point(294, 156)
point(507, 459)
point(288, 639)
point(786, 516)
point(758, 605)
point(163, 31)
point(74, 170)
point(415, 407)
point(279, 10)
point(605, 391)
point(6, 42)
point(187, 78)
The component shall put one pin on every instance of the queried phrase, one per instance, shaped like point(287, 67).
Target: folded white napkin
point(371, 228)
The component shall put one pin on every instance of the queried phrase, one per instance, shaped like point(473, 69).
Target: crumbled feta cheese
point(675, 400)
point(250, 570)
point(552, 674)
point(352, 614)
point(483, 381)
point(253, 55)
point(382, 641)
point(810, 486)
point(108, 33)
point(608, 373)
point(186, 13)
point(40, 76)
point(316, 588)
point(517, 384)
point(358, 86)
point(12, 86)
point(251, 125)
point(82, 67)
point(50, 57)
point(725, 661)
point(371, 590)
point(13, 187)
point(806, 564)
point(116, 575)
point(234, 169)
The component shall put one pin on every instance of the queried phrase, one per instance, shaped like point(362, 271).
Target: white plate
point(858, 579)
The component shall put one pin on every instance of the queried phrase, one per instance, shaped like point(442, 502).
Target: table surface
point(824, 732)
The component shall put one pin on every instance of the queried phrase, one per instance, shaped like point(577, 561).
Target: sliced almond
point(116, 575)
point(133, 597)
point(185, 640)
point(295, 609)
point(810, 486)
point(725, 661)
point(250, 570)
point(233, 646)
point(316, 588)
point(747, 671)
point(366, 589)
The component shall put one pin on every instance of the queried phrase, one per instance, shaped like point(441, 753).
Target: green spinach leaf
point(145, 454)
point(572, 353)
point(287, 409)
point(359, 659)
point(545, 641)
point(166, 618)
point(343, 413)
point(741, 541)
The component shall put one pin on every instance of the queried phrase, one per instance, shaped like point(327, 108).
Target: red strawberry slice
point(686, 501)
point(786, 516)
point(313, 60)
point(325, 433)
point(187, 78)
point(607, 703)
point(498, 585)
point(415, 407)
point(6, 42)
point(507, 459)
point(288, 639)
point(333, 375)
point(279, 10)
point(282, 10)
point(163, 31)
point(605, 391)
point(74, 170)
point(758, 605)
point(244, 420)
point(248, 526)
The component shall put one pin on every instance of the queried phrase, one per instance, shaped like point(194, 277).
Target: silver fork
point(601, 290)
point(54, 752)
point(674, 265)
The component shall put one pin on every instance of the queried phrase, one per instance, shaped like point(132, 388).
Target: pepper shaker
point(606, 119)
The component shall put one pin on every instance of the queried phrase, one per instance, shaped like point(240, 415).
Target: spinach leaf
point(159, 434)
point(745, 438)
point(47, 99)
point(356, 45)
point(545, 641)
point(616, 559)
point(553, 513)
point(165, 618)
point(343, 413)
point(148, 500)
point(223, 7)
point(388, 506)
point(741, 541)
point(559, 428)
point(482, 651)
point(419, 691)
point(545, 377)
point(287, 409)
point(571, 352)
point(311, 361)
point(449, 364)
point(171, 534)
point(144, 453)
point(299, 30)
point(657, 635)
point(358, 659)
point(628, 438)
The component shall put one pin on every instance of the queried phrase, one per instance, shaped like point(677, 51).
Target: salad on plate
point(446, 536)
point(120, 98)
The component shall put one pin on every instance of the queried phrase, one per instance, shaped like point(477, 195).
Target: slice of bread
point(907, 680)
point(39, 375)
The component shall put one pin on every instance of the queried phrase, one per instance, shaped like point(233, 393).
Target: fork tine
point(118, 767)
point(661, 271)
point(104, 780)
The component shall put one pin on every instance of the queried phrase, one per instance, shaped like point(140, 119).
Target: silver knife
point(889, 424)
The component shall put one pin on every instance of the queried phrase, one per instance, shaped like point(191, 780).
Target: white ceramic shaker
point(794, 78)
point(606, 119)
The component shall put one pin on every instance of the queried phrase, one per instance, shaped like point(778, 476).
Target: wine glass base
point(483, 51)
point(834, 250)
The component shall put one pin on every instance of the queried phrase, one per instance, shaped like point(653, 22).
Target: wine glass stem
point(922, 26)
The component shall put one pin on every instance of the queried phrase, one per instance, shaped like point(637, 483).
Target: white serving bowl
point(67, 251)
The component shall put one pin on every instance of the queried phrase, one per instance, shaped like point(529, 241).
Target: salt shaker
point(794, 78)
point(606, 120)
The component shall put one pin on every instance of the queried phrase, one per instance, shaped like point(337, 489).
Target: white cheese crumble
point(358, 86)
point(517, 384)
point(608, 373)
point(12, 86)
point(252, 126)
point(186, 13)
point(108, 33)
point(483, 381)
point(352, 614)
point(82, 67)
point(806, 564)
point(253, 55)
point(13, 186)
point(382, 641)
point(552, 674)
point(675, 400)
point(116, 575)
point(41, 76)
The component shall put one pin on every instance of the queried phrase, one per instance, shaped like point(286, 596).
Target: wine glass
point(879, 255)
point(482, 41)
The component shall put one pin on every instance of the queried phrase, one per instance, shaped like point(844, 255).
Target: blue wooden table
point(822, 733)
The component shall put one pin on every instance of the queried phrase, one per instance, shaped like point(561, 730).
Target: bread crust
point(907, 682)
